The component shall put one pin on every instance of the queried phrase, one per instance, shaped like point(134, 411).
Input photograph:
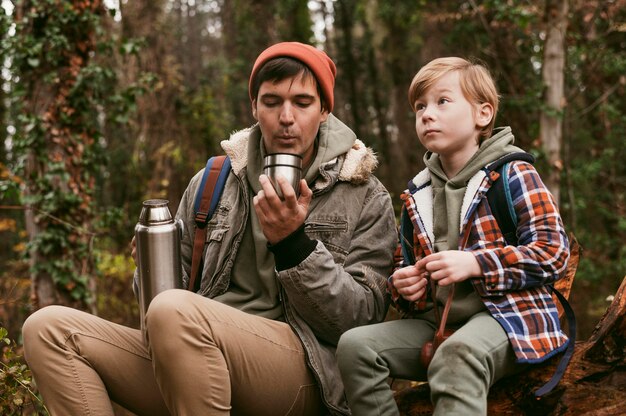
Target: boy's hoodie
point(448, 197)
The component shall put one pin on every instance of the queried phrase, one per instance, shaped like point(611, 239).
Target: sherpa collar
point(355, 166)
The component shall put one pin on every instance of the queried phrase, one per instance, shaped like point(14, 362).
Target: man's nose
point(286, 114)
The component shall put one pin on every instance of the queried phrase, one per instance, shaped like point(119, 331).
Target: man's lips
point(285, 138)
point(430, 131)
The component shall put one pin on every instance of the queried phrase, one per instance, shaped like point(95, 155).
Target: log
point(593, 385)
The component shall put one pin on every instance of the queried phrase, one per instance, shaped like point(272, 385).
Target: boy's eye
point(419, 106)
point(443, 100)
point(303, 103)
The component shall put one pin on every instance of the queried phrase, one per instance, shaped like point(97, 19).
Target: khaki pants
point(207, 359)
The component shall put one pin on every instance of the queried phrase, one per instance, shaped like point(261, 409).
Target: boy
point(502, 311)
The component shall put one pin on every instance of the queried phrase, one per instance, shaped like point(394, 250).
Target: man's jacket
point(341, 284)
point(515, 277)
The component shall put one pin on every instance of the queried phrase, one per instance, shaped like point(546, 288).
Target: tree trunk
point(551, 120)
point(58, 185)
point(594, 383)
point(344, 12)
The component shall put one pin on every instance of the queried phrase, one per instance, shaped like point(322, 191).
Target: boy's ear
point(484, 114)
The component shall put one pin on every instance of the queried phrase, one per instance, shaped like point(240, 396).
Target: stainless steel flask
point(157, 236)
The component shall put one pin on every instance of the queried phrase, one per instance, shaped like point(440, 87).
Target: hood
point(338, 151)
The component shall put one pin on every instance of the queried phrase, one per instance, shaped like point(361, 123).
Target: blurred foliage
point(114, 297)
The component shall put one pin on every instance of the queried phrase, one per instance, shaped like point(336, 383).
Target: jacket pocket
point(332, 232)
point(213, 247)
point(324, 226)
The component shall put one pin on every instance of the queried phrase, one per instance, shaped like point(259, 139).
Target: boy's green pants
point(460, 374)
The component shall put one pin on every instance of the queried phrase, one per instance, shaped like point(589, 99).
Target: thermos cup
point(157, 236)
point(285, 164)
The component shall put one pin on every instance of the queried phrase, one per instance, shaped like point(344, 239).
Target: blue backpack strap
point(499, 195)
point(406, 237)
point(204, 212)
point(207, 197)
point(569, 351)
point(501, 204)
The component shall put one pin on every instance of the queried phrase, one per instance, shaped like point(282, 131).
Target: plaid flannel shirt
point(513, 285)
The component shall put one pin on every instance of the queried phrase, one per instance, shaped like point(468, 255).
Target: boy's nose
point(427, 113)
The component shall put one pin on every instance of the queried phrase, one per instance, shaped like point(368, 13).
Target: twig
point(597, 102)
point(47, 214)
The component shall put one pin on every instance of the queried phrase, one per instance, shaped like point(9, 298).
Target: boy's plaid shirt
point(513, 287)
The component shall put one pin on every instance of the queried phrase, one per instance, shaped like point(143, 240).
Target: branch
point(600, 99)
point(47, 214)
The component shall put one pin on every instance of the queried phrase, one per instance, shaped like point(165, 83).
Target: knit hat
point(318, 62)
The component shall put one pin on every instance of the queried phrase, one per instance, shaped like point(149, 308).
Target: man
point(280, 282)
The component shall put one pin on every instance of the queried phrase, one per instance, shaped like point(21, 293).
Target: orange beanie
point(318, 62)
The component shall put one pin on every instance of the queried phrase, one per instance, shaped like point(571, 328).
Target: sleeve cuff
point(292, 250)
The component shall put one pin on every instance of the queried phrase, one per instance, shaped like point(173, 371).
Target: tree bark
point(551, 119)
point(54, 166)
point(345, 15)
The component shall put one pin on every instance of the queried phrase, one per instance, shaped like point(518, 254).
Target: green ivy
point(62, 94)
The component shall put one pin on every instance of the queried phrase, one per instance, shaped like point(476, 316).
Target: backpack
point(503, 210)
point(206, 200)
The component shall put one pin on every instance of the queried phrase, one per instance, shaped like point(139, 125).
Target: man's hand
point(410, 282)
point(133, 250)
point(450, 266)
point(279, 218)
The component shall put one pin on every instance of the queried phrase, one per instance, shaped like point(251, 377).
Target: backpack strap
point(406, 237)
point(499, 195)
point(569, 351)
point(207, 197)
point(503, 210)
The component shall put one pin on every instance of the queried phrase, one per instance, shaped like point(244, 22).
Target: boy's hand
point(450, 266)
point(279, 218)
point(410, 282)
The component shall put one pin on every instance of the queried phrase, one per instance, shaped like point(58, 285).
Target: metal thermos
point(157, 236)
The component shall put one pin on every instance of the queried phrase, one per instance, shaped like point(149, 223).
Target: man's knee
point(43, 318)
point(176, 311)
point(166, 305)
point(43, 321)
point(39, 327)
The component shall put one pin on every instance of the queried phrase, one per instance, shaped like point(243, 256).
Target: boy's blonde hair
point(476, 83)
